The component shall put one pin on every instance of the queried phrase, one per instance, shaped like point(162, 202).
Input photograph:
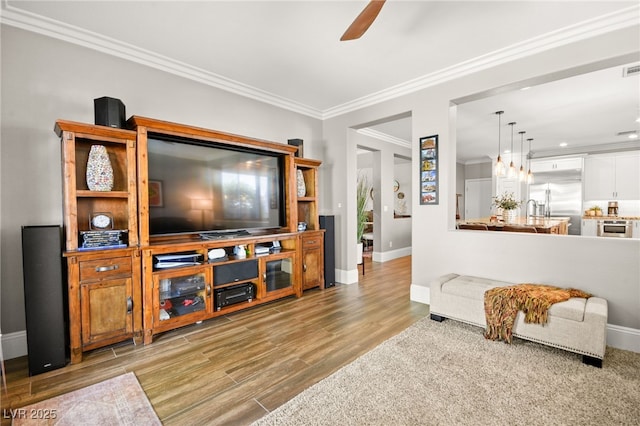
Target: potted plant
point(362, 192)
point(508, 204)
point(595, 211)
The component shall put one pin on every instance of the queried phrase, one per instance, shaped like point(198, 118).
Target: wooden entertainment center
point(124, 291)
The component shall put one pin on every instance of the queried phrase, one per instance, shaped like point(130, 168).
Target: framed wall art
point(429, 168)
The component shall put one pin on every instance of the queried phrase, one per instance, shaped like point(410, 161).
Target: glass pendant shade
point(512, 167)
point(499, 167)
point(529, 173)
point(522, 174)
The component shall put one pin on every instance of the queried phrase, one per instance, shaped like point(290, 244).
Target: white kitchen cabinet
point(612, 177)
point(556, 164)
point(635, 229)
point(589, 228)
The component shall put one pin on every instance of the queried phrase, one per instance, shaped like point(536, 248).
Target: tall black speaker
point(45, 298)
point(328, 224)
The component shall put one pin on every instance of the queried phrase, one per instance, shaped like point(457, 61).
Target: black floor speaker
point(328, 224)
point(45, 297)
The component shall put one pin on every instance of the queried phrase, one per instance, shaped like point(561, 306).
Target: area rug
point(117, 401)
point(449, 374)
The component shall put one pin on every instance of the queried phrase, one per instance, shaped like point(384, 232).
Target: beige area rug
point(448, 374)
point(117, 401)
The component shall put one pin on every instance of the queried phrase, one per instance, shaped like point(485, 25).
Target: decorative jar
point(302, 187)
point(99, 171)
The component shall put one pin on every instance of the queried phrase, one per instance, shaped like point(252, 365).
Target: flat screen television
point(202, 187)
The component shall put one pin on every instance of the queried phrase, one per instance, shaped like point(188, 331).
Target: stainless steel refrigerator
point(561, 193)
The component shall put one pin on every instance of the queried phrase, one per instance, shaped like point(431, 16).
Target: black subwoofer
point(109, 112)
point(45, 295)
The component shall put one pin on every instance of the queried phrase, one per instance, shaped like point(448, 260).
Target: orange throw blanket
point(501, 305)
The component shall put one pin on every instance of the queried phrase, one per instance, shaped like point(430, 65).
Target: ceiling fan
point(363, 21)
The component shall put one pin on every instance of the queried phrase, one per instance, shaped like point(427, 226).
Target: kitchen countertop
point(537, 222)
point(605, 217)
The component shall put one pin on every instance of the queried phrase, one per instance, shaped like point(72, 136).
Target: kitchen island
point(541, 225)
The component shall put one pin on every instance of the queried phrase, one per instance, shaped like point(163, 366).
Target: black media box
point(109, 112)
point(234, 294)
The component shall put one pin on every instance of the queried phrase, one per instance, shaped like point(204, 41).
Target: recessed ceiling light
point(526, 88)
point(633, 136)
point(506, 151)
point(638, 120)
point(563, 144)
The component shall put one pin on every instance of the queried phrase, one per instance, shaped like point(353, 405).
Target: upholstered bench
point(577, 325)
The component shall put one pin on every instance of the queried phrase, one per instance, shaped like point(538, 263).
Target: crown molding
point(39, 24)
point(25, 20)
point(384, 137)
point(621, 19)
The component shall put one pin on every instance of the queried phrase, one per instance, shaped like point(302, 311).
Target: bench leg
point(437, 317)
point(589, 360)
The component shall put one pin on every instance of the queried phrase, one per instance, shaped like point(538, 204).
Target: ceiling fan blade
point(363, 21)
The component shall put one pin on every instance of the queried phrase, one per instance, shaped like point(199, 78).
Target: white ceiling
point(288, 53)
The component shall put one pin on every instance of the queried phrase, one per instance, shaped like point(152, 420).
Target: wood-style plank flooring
point(236, 368)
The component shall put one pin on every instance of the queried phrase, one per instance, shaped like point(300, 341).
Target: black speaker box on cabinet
point(328, 224)
point(300, 144)
point(234, 272)
point(109, 112)
point(45, 295)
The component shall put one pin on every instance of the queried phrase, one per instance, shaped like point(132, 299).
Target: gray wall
point(45, 79)
point(606, 267)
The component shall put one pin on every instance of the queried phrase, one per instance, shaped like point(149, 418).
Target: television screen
point(196, 187)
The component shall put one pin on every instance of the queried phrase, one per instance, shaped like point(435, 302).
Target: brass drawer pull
point(106, 268)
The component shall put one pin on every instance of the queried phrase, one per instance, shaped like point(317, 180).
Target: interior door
point(477, 202)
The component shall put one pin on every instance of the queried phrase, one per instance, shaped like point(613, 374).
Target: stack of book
point(97, 240)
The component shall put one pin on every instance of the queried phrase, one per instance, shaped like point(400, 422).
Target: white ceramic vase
point(99, 171)
point(302, 187)
point(509, 216)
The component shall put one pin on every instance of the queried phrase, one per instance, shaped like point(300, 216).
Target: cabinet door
point(556, 164)
point(589, 227)
point(106, 309)
point(181, 297)
point(279, 275)
point(628, 176)
point(635, 229)
point(312, 261)
point(599, 178)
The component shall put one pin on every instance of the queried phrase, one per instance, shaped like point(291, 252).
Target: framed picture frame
point(155, 193)
point(429, 171)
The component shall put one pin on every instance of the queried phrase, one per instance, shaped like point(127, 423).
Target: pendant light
point(499, 168)
point(512, 168)
point(529, 173)
point(522, 175)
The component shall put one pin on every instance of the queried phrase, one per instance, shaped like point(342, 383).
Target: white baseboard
point(623, 338)
point(420, 293)
point(14, 345)
point(617, 336)
point(386, 256)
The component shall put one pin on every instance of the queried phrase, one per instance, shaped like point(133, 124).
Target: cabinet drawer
point(105, 268)
point(311, 242)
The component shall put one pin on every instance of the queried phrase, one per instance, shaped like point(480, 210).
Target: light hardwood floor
point(236, 368)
